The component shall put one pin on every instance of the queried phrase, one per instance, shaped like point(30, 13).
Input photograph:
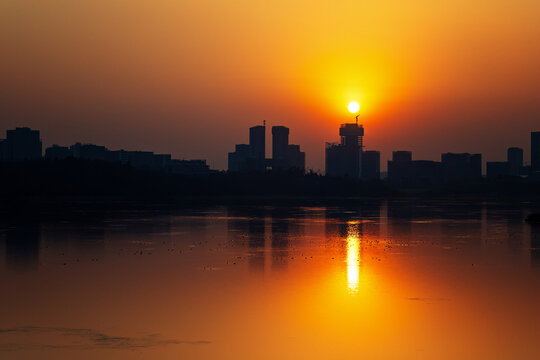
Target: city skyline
point(430, 77)
point(316, 165)
point(347, 158)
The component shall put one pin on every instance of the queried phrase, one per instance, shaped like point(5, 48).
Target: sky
point(190, 77)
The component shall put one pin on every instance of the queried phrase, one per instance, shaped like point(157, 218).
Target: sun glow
point(353, 107)
point(353, 258)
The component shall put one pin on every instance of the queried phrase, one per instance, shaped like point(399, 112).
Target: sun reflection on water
point(353, 258)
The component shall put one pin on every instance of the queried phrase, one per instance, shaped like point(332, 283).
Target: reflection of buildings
point(367, 215)
point(269, 234)
point(22, 247)
point(250, 222)
point(284, 230)
point(535, 245)
point(399, 216)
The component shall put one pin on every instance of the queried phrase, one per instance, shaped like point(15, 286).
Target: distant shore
point(43, 186)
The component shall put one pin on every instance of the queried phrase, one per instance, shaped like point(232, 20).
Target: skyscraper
point(535, 152)
point(345, 158)
point(280, 143)
point(249, 158)
point(257, 143)
point(515, 160)
point(285, 156)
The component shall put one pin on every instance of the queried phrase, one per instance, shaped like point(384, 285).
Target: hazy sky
point(190, 77)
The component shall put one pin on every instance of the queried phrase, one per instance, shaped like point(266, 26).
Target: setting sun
point(353, 107)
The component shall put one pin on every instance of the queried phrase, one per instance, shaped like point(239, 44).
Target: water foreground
point(377, 280)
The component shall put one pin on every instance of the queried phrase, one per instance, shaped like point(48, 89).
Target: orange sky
point(189, 77)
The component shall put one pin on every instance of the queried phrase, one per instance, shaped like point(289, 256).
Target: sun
point(353, 107)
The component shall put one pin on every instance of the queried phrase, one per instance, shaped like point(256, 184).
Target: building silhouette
point(21, 143)
point(257, 142)
point(497, 169)
point(371, 165)
point(57, 152)
point(119, 156)
point(535, 153)
point(399, 168)
point(345, 159)
point(515, 161)
point(189, 167)
point(461, 167)
point(280, 147)
point(89, 151)
point(142, 160)
point(285, 156)
point(250, 158)
point(404, 172)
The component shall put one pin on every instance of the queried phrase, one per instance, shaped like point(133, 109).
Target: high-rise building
point(515, 161)
point(535, 152)
point(371, 165)
point(345, 158)
point(257, 142)
point(22, 144)
point(285, 156)
point(280, 144)
point(249, 158)
point(461, 167)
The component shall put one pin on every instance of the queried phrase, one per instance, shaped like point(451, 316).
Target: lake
point(388, 279)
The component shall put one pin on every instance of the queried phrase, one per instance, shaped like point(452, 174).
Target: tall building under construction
point(344, 159)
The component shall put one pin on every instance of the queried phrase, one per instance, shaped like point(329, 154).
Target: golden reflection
point(353, 257)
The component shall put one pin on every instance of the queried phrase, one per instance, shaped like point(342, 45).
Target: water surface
point(378, 280)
